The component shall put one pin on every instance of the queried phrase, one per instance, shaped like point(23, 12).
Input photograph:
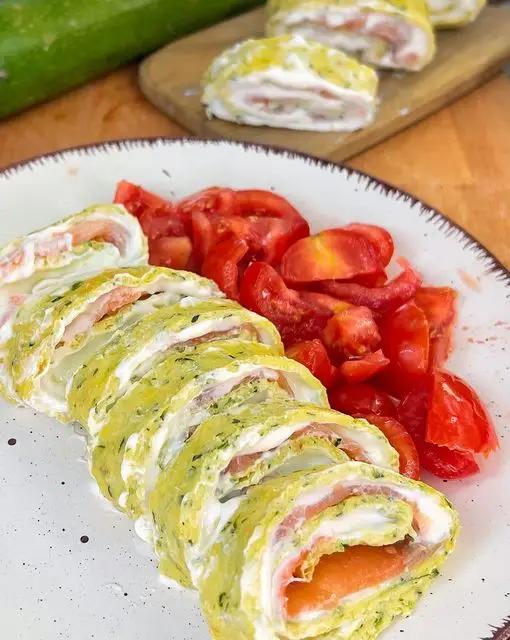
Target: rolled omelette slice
point(55, 257)
point(56, 334)
point(447, 14)
point(111, 372)
point(394, 34)
point(197, 493)
point(148, 426)
point(335, 553)
point(289, 82)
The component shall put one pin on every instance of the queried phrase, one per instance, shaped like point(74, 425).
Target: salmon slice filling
point(341, 574)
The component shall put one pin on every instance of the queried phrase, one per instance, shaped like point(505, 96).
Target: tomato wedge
point(445, 463)
point(335, 254)
point(457, 418)
point(380, 299)
point(172, 252)
point(323, 301)
point(439, 305)
point(339, 574)
point(221, 264)
point(362, 369)
point(352, 332)
point(400, 439)
point(378, 236)
point(218, 200)
point(361, 399)
point(264, 291)
point(158, 217)
point(313, 354)
point(405, 341)
point(267, 222)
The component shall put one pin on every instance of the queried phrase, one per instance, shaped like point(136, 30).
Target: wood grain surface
point(457, 160)
point(171, 77)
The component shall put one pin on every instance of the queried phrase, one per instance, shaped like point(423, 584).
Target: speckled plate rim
point(490, 263)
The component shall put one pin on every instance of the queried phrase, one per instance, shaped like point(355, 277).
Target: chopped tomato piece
point(379, 237)
point(175, 253)
point(361, 399)
point(221, 201)
point(439, 305)
point(267, 222)
point(340, 574)
point(335, 254)
point(361, 369)
point(405, 341)
point(457, 418)
point(322, 300)
point(441, 461)
point(221, 264)
point(352, 332)
point(158, 217)
point(371, 280)
point(264, 291)
point(400, 439)
point(313, 354)
point(380, 299)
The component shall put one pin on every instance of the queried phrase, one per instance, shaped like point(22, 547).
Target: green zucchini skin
point(49, 46)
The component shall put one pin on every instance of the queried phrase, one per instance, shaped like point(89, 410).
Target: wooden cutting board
point(170, 78)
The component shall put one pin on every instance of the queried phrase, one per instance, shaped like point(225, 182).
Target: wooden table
point(457, 160)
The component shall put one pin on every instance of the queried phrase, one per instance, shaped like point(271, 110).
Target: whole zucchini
point(48, 46)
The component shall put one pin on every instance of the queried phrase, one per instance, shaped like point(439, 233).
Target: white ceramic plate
point(54, 586)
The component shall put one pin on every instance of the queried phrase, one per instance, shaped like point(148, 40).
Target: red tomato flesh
point(352, 332)
point(444, 463)
point(457, 418)
point(221, 264)
point(361, 399)
point(380, 299)
point(379, 237)
point(400, 439)
point(313, 354)
point(439, 305)
point(361, 369)
point(264, 291)
point(405, 341)
point(335, 254)
point(175, 253)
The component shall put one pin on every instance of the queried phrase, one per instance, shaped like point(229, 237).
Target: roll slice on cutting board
point(289, 82)
point(392, 34)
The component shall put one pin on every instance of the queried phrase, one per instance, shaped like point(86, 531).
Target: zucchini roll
point(111, 372)
point(48, 260)
point(60, 331)
point(336, 552)
point(394, 34)
point(446, 14)
point(229, 453)
point(292, 83)
point(147, 427)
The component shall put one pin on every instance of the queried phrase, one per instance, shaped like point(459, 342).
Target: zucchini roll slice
point(289, 82)
point(48, 260)
point(447, 14)
point(57, 333)
point(147, 427)
point(227, 454)
point(394, 34)
point(111, 372)
point(338, 552)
